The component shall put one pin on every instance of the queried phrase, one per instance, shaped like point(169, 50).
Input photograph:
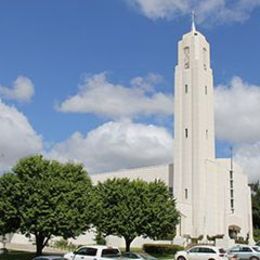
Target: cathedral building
point(212, 194)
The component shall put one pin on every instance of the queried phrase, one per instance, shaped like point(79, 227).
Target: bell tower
point(193, 128)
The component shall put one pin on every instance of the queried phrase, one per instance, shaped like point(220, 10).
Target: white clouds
point(22, 90)
point(237, 110)
point(99, 96)
point(248, 156)
point(237, 113)
point(17, 138)
point(214, 11)
point(161, 9)
point(117, 145)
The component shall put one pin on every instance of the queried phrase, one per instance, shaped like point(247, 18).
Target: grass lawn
point(17, 255)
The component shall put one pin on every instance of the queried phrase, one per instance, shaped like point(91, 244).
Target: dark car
point(132, 255)
point(50, 257)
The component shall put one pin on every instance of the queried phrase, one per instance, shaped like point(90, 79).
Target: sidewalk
point(32, 248)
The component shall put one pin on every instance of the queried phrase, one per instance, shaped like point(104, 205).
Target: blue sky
point(62, 49)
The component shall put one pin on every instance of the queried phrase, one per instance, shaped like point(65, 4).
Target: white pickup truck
point(93, 253)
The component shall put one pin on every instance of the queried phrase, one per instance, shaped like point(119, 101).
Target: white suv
point(93, 253)
point(202, 253)
point(244, 252)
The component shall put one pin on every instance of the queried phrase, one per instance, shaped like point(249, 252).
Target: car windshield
point(256, 249)
point(110, 252)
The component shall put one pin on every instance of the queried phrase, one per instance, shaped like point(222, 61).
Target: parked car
point(50, 257)
point(93, 252)
point(244, 252)
point(132, 255)
point(202, 253)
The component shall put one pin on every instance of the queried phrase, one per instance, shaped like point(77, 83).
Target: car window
point(110, 252)
point(235, 249)
point(206, 250)
point(194, 250)
point(256, 248)
point(245, 249)
point(87, 251)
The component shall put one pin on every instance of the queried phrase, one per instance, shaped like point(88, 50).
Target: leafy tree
point(255, 187)
point(54, 199)
point(134, 208)
point(10, 192)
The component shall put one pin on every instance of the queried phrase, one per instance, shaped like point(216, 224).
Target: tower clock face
point(186, 57)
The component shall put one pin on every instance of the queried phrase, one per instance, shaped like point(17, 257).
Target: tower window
point(186, 88)
point(171, 191)
point(186, 193)
point(232, 205)
point(186, 57)
point(186, 132)
point(207, 134)
point(205, 58)
point(231, 174)
point(206, 90)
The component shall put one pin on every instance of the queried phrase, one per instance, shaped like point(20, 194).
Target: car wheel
point(181, 258)
point(254, 258)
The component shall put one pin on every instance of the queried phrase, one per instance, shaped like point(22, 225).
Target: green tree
point(10, 194)
point(135, 208)
point(255, 187)
point(54, 199)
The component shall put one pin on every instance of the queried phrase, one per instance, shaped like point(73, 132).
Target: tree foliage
point(135, 208)
point(10, 194)
point(256, 204)
point(54, 199)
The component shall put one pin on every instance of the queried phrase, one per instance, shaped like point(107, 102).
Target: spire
point(193, 27)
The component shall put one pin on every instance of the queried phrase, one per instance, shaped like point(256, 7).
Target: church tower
point(194, 129)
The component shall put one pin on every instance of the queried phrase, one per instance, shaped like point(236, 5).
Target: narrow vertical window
point(186, 193)
point(186, 88)
point(171, 191)
point(186, 57)
point(206, 90)
point(205, 58)
point(232, 205)
point(186, 132)
point(231, 174)
point(207, 134)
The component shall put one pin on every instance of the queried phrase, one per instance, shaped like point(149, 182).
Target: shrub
point(241, 240)
point(100, 238)
point(257, 235)
point(64, 244)
point(161, 249)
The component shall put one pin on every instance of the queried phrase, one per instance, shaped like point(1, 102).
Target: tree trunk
point(41, 242)
point(128, 242)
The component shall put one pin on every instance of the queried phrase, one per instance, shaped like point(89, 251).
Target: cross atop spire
point(193, 27)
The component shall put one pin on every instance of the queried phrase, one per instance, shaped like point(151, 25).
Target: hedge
point(161, 249)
